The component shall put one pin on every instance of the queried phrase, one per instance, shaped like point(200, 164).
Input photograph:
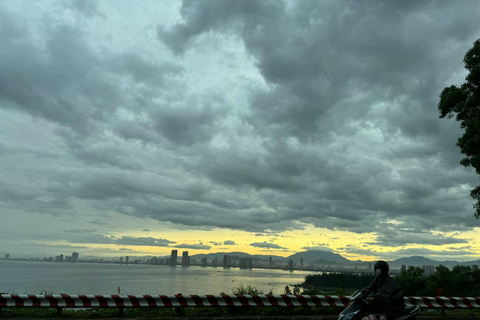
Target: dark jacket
point(385, 290)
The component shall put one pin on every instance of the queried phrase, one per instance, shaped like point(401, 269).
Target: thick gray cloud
point(266, 245)
point(124, 240)
point(452, 254)
point(340, 75)
point(261, 116)
point(193, 246)
point(405, 238)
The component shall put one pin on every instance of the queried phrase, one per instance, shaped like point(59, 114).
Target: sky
point(267, 127)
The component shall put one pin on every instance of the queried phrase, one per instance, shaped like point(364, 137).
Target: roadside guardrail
point(121, 302)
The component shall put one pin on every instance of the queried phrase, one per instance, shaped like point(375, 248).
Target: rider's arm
point(369, 289)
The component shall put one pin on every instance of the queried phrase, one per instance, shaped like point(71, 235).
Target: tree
point(464, 102)
point(412, 281)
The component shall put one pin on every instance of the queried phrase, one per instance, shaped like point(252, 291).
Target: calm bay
point(34, 277)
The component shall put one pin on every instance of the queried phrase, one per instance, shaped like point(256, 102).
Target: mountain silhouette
point(326, 257)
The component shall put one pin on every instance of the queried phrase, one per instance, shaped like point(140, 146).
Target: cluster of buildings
point(62, 258)
point(171, 261)
point(427, 270)
point(226, 262)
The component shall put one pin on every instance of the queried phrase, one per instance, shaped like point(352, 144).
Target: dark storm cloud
point(335, 71)
point(341, 131)
point(64, 80)
point(85, 7)
point(229, 243)
point(453, 253)
point(63, 247)
point(81, 231)
point(266, 245)
point(88, 237)
point(143, 241)
point(193, 246)
point(182, 125)
point(405, 238)
point(322, 56)
point(52, 85)
point(426, 252)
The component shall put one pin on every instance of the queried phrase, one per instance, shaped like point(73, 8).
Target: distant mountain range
point(326, 258)
point(421, 261)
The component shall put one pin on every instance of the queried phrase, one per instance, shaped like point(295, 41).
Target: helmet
point(383, 266)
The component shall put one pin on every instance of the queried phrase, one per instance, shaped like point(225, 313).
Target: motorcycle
point(358, 304)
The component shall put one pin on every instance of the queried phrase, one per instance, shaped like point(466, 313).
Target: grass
point(249, 289)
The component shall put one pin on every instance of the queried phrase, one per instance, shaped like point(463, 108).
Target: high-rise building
point(242, 263)
point(404, 268)
point(185, 258)
point(7, 256)
point(173, 258)
point(227, 260)
point(428, 270)
point(290, 264)
point(75, 257)
point(249, 263)
point(204, 262)
point(126, 259)
point(121, 259)
point(301, 262)
point(270, 262)
point(215, 262)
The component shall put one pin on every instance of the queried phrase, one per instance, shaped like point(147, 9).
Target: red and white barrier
point(139, 301)
point(444, 302)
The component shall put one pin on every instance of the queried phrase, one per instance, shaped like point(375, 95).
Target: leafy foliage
point(460, 281)
point(411, 281)
point(339, 280)
point(464, 102)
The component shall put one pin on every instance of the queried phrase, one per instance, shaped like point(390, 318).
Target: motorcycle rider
point(387, 296)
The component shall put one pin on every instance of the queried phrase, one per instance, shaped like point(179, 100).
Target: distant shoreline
point(343, 269)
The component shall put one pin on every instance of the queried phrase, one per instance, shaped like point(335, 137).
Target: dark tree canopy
point(464, 103)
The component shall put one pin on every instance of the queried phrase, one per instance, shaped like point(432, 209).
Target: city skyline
point(428, 267)
point(315, 260)
point(265, 127)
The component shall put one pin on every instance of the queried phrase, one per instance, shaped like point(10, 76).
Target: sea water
point(35, 277)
